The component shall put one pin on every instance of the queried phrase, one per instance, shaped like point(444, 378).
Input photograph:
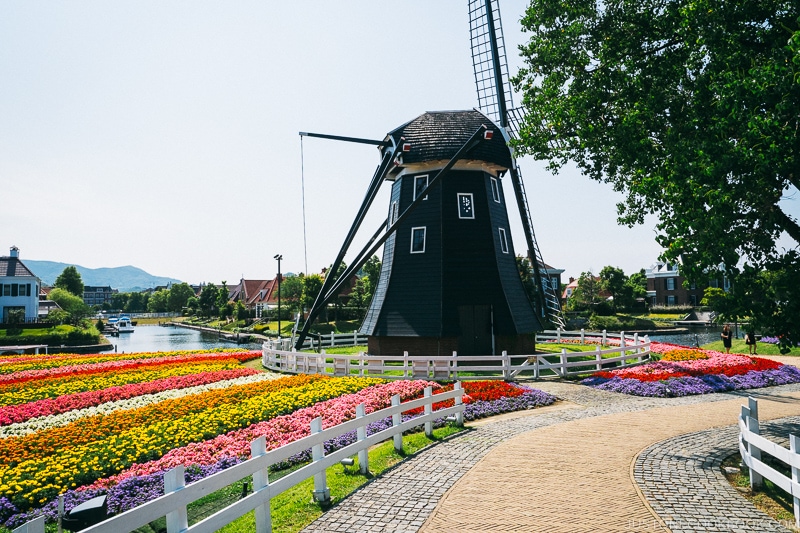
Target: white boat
point(123, 325)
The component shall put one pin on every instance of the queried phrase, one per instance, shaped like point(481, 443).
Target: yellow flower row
point(92, 428)
point(42, 479)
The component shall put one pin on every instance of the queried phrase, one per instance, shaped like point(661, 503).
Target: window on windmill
point(466, 208)
point(393, 213)
point(420, 183)
point(503, 241)
point(418, 240)
point(495, 190)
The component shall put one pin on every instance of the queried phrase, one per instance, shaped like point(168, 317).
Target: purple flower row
point(686, 386)
point(135, 491)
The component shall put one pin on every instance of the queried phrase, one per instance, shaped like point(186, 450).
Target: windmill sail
point(495, 100)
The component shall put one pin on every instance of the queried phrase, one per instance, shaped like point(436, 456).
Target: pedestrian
point(727, 338)
point(750, 341)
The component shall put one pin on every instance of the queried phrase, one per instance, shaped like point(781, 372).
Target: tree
point(359, 296)
point(587, 295)
point(179, 295)
point(224, 305)
point(372, 271)
point(158, 301)
point(292, 292)
point(70, 280)
point(208, 300)
point(16, 317)
point(526, 275)
point(687, 107)
point(614, 281)
point(312, 284)
point(71, 304)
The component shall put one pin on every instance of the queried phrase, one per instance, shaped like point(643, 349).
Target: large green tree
point(70, 303)
point(688, 108)
point(70, 280)
point(179, 295)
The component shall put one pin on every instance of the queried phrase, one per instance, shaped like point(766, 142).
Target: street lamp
point(279, 257)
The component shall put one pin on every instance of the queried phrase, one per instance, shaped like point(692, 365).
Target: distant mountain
point(125, 278)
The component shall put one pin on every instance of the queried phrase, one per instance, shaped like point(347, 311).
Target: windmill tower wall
point(449, 280)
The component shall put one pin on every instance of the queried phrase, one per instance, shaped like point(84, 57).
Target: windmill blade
point(489, 60)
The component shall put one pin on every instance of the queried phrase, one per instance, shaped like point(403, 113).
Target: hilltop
point(124, 278)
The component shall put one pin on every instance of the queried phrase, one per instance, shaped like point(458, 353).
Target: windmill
point(495, 99)
point(449, 279)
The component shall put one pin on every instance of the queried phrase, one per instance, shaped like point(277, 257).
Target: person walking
point(750, 341)
point(727, 338)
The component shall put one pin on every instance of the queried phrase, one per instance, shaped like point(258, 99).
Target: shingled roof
point(437, 135)
point(12, 266)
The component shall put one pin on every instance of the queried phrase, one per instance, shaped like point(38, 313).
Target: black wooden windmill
point(449, 279)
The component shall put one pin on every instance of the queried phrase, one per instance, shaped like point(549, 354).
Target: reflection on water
point(165, 339)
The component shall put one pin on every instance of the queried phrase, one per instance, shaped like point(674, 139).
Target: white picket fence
point(752, 445)
point(178, 495)
point(631, 350)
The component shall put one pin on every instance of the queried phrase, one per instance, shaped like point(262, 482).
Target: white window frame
point(670, 284)
point(424, 239)
point(393, 213)
point(495, 185)
point(472, 205)
point(503, 240)
point(420, 178)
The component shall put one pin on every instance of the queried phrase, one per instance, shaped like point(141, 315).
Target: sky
point(164, 135)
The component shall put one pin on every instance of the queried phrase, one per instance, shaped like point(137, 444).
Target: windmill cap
point(438, 135)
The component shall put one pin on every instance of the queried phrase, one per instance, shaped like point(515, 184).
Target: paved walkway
point(597, 461)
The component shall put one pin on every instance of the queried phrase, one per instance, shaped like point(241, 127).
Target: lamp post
point(279, 257)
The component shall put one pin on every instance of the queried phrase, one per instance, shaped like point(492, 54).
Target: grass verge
point(770, 499)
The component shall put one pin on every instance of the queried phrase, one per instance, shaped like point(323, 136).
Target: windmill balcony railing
point(612, 350)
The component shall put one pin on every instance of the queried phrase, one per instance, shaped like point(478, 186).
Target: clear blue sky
point(164, 135)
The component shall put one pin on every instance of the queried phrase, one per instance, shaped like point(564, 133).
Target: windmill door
point(476, 329)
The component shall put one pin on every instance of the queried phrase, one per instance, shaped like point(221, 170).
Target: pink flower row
point(25, 375)
point(279, 431)
point(11, 414)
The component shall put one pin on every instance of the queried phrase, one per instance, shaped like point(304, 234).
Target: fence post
point(361, 435)
point(564, 362)
point(333, 340)
point(794, 446)
point(752, 424)
point(321, 491)
point(558, 335)
point(34, 526)
point(605, 338)
point(459, 401)
point(536, 367)
point(506, 366)
point(622, 345)
point(599, 358)
point(429, 410)
point(60, 512)
point(454, 365)
point(397, 419)
point(405, 364)
point(583, 336)
point(260, 482)
point(361, 364)
point(174, 481)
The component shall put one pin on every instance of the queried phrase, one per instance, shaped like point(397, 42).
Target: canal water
point(696, 336)
point(169, 338)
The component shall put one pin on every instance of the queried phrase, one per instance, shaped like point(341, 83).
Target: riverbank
point(238, 337)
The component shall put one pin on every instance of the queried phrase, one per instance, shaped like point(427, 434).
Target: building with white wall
point(19, 287)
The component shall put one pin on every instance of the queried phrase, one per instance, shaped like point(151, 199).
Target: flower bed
point(88, 425)
point(144, 482)
point(692, 374)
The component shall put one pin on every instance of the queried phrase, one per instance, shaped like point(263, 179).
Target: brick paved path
point(565, 468)
point(682, 480)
